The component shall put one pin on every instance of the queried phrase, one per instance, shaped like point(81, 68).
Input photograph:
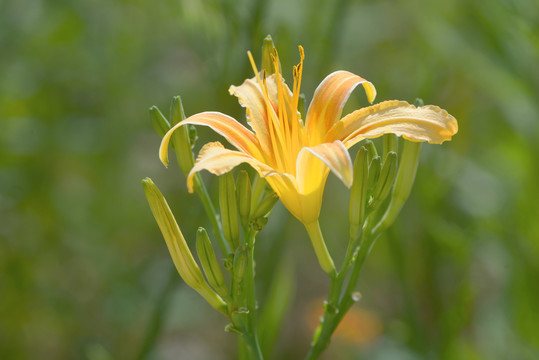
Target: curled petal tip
point(163, 151)
point(371, 91)
point(164, 160)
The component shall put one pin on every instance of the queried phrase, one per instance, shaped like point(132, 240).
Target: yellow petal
point(312, 168)
point(427, 123)
point(233, 131)
point(334, 155)
point(329, 99)
point(285, 186)
point(216, 159)
point(251, 97)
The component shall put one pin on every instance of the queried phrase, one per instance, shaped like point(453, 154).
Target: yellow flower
point(295, 156)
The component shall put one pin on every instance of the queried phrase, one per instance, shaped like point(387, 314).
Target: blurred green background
point(84, 271)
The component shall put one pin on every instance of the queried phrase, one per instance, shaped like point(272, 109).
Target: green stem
point(335, 310)
point(326, 262)
point(204, 196)
point(251, 334)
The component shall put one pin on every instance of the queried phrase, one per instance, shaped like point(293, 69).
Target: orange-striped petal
point(215, 158)
point(329, 99)
point(234, 132)
point(426, 123)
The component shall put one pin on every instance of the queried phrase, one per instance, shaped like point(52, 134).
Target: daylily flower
point(295, 155)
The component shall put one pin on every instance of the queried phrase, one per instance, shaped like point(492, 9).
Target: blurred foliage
point(83, 264)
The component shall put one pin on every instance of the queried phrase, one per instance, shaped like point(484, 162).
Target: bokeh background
point(84, 272)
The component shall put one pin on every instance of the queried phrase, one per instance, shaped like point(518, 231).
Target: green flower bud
point(265, 205)
point(160, 123)
point(180, 137)
point(403, 184)
point(243, 190)
point(372, 150)
point(374, 171)
point(358, 193)
point(209, 263)
point(177, 246)
point(267, 51)
point(385, 181)
point(258, 187)
point(229, 210)
point(390, 144)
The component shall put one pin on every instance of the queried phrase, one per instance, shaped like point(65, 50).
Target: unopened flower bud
point(390, 144)
point(403, 184)
point(372, 152)
point(258, 186)
point(243, 190)
point(374, 172)
point(180, 138)
point(358, 193)
point(265, 205)
point(267, 51)
point(160, 123)
point(385, 181)
point(229, 210)
point(209, 263)
point(177, 246)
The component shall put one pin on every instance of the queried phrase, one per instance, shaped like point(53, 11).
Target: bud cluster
point(244, 207)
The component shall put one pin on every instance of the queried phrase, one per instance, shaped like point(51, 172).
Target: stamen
point(283, 115)
point(298, 70)
point(273, 123)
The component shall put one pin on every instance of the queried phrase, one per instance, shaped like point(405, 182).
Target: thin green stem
point(337, 306)
point(251, 296)
point(204, 196)
point(247, 299)
point(322, 253)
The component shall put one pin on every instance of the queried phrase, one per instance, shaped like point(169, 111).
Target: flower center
point(285, 127)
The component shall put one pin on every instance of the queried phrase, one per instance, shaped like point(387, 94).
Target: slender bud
point(267, 50)
point(390, 144)
point(160, 123)
point(403, 184)
point(209, 263)
point(229, 210)
point(265, 205)
point(374, 171)
point(372, 150)
point(259, 184)
point(243, 190)
point(177, 246)
point(180, 137)
point(385, 181)
point(358, 193)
